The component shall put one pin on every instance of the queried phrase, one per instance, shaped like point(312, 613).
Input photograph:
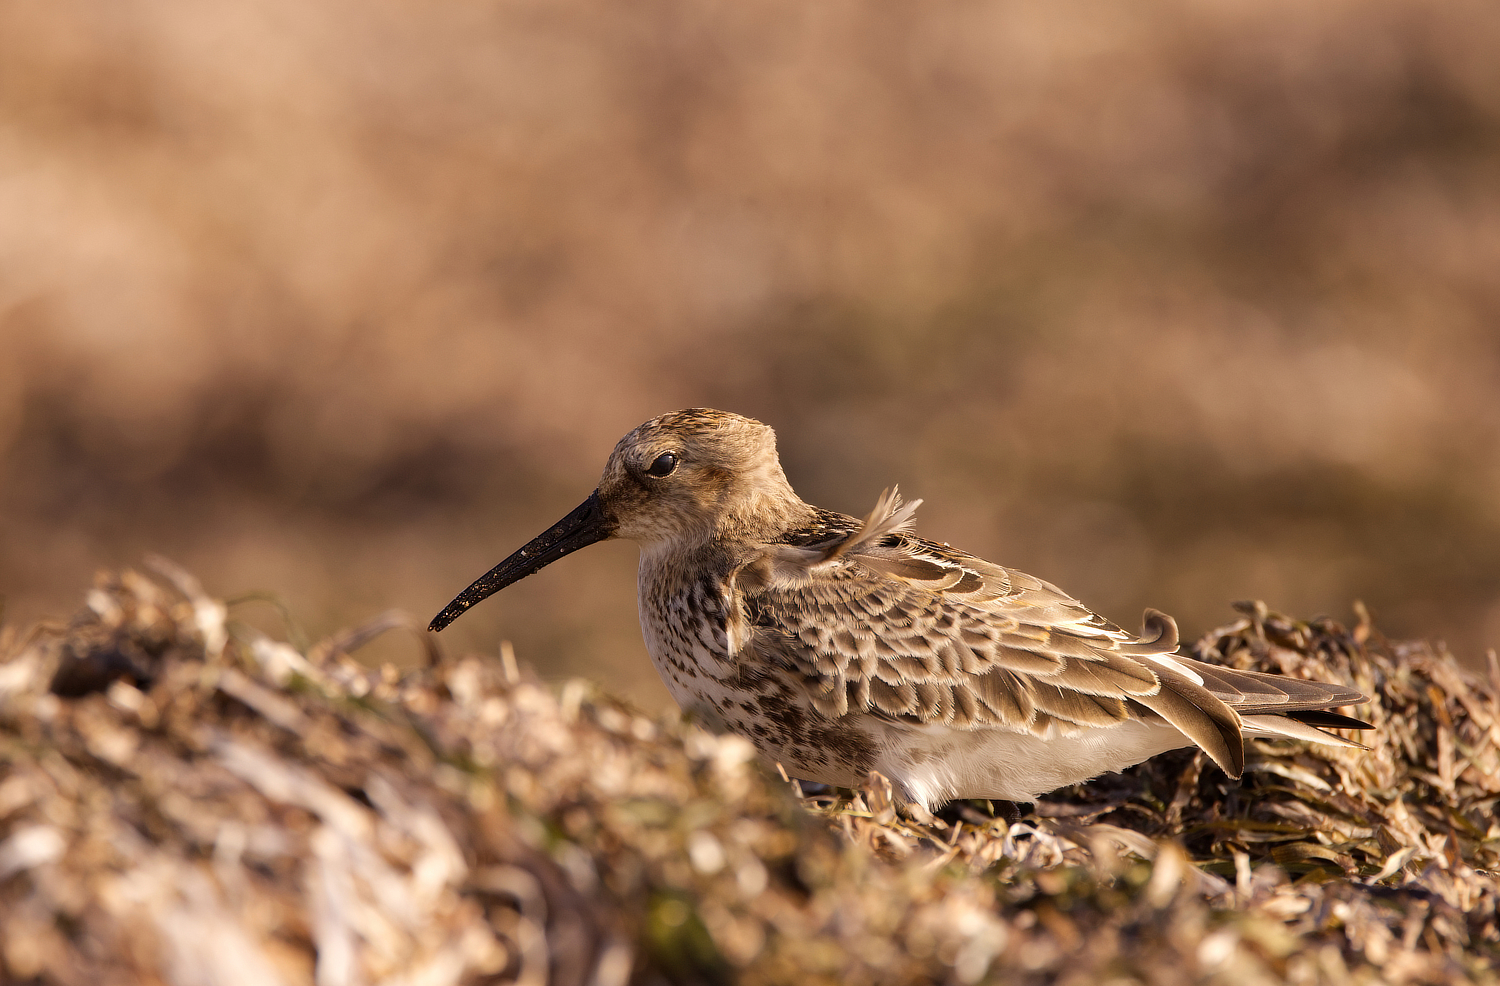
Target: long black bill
point(581, 528)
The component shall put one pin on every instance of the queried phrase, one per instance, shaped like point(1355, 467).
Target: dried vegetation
point(184, 801)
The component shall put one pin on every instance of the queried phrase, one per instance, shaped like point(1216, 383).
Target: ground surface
point(185, 801)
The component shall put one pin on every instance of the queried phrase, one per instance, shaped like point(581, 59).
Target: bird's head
point(682, 478)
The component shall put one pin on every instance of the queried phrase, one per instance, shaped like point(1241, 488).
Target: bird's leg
point(979, 812)
point(1009, 810)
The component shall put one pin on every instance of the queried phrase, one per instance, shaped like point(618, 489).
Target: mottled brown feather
point(993, 647)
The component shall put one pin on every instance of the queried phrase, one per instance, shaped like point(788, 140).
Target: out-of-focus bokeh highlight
point(1169, 303)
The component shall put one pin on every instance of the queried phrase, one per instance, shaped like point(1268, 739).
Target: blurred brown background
point(1170, 303)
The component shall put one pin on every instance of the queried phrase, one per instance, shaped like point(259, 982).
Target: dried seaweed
point(185, 801)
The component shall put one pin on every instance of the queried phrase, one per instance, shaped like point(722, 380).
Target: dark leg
point(979, 812)
point(1008, 810)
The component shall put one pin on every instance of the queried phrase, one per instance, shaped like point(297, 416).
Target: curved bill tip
point(582, 527)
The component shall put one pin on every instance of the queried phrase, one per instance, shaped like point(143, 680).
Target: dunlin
point(840, 645)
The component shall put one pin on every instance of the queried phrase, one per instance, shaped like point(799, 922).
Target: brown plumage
point(840, 645)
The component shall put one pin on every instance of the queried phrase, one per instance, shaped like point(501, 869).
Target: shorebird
point(840, 646)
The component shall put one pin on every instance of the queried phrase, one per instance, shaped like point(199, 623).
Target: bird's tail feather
point(1286, 727)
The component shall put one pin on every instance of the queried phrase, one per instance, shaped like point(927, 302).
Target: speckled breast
point(686, 624)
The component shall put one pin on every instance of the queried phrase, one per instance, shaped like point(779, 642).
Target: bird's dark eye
point(663, 465)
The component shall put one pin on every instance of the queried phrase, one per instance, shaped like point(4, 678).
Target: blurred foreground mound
point(185, 802)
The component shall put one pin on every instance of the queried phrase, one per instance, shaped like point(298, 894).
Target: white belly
point(933, 764)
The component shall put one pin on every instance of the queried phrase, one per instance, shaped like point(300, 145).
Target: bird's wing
point(877, 620)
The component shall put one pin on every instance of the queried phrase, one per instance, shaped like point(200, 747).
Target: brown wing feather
point(1252, 692)
point(1202, 717)
point(878, 620)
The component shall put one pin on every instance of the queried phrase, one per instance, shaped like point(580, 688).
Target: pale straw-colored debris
point(184, 801)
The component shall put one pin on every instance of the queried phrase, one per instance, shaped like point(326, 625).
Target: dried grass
point(207, 805)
